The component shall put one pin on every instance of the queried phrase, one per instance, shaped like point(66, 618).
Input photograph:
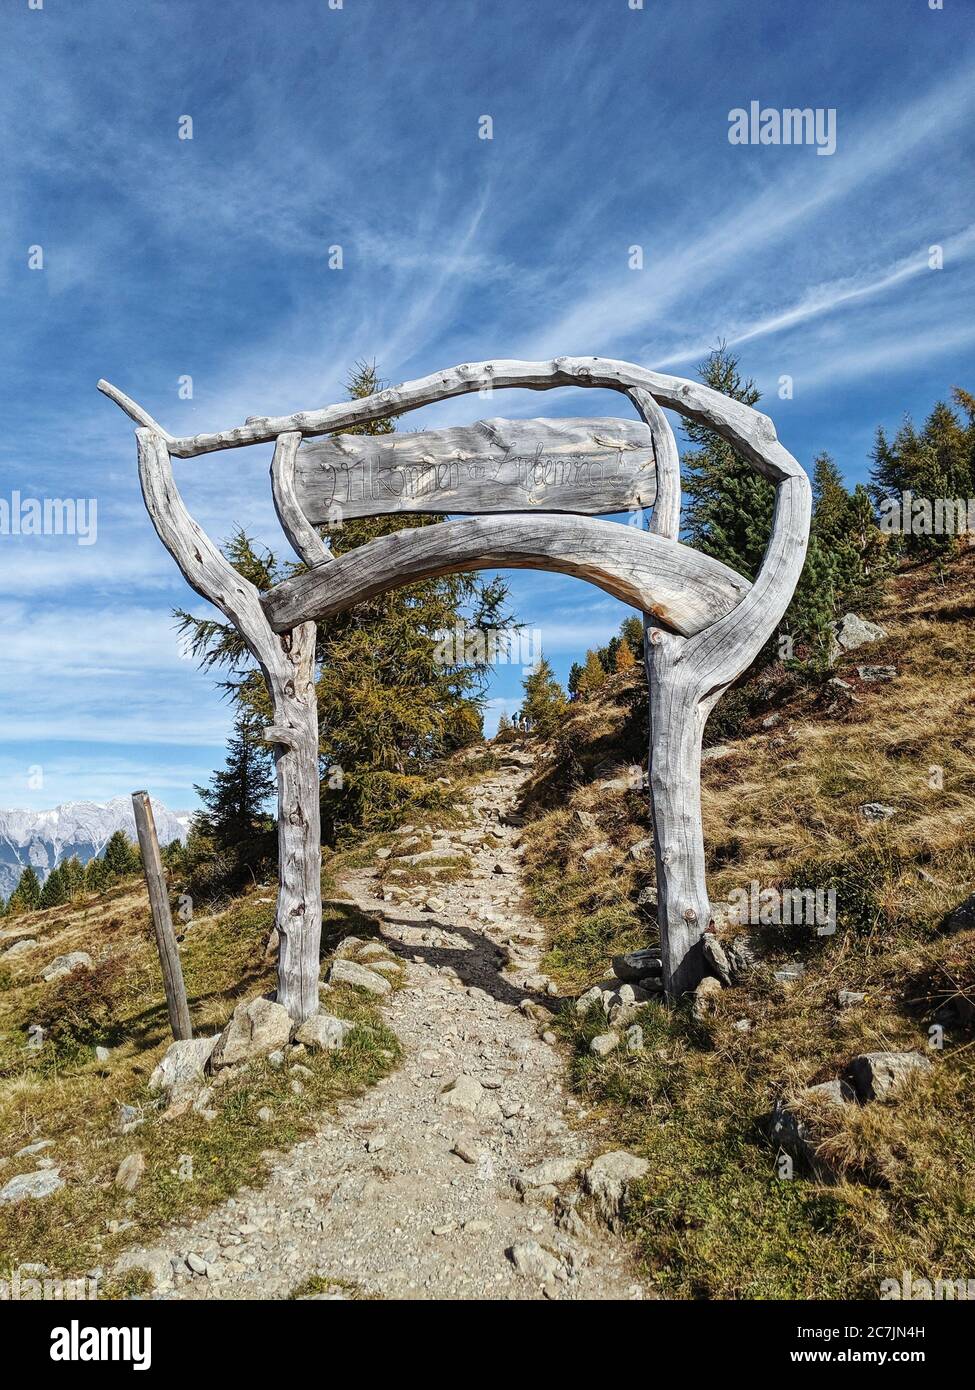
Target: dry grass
point(782, 809)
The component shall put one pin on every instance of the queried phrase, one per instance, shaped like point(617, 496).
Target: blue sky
point(358, 126)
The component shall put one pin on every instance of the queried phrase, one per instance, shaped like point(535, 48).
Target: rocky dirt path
point(459, 1176)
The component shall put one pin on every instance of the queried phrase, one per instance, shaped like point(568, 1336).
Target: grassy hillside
point(64, 1094)
point(791, 765)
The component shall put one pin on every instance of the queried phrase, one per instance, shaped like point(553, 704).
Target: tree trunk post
point(294, 735)
point(162, 921)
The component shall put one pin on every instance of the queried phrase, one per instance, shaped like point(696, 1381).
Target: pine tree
point(97, 875)
point(575, 676)
point(593, 675)
point(53, 893)
point(26, 897)
point(729, 512)
point(119, 856)
point(544, 702)
point(237, 797)
point(936, 462)
point(73, 877)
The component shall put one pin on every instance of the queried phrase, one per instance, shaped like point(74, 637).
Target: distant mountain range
point(83, 828)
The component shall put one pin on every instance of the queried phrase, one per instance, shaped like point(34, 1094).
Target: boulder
point(463, 1093)
point(608, 1180)
point(717, 959)
point(852, 632)
point(130, 1172)
point(604, 1043)
point(41, 1183)
point(551, 1172)
point(535, 1262)
point(63, 965)
point(876, 810)
point(793, 1131)
point(350, 972)
point(637, 965)
point(258, 1026)
point(324, 1033)
point(641, 851)
point(961, 918)
point(19, 948)
point(879, 1075)
point(706, 998)
point(180, 1074)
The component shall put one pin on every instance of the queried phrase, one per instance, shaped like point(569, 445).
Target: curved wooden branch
point(682, 588)
point(305, 540)
point(748, 430)
point(665, 520)
point(133, 410)
point(201, 563)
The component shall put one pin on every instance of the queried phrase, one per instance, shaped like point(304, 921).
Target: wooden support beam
point(684, 589)
point(162, 921)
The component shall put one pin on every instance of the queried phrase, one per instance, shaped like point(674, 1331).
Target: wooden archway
point(704, 624)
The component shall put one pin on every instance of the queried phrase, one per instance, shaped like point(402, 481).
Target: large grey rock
point(63, 965)
point(463, 1093)
point(324, 1033)
point(258, 1026)
point(551, 1172)
point(879, 1075)
point(961, 918)
point(535, 1262)
point(706, 997)
point(852, 632)
point(637, 965)
point(180, 1074)
point(350, 972)
point(604, 1043)
point(19, 948)
point(36, 1185)
point(608, 1180)
point(717, 959)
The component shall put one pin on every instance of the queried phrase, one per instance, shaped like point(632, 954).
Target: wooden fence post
point(179, 1010)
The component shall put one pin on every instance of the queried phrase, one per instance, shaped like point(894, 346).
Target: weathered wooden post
point(162, 921)
point(704, 624)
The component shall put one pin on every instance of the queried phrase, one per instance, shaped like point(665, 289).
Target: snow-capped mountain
point(45, 838)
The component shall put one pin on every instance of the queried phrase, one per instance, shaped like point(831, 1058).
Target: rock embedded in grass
point(637, 965)
point(879, 1075)
point(604, 1043)
point(42, 1183)
point(181, 1073)
point(609, 1179)
point(64, 965)
point(257, 1027)
point(324, 1032)
point(350, 972)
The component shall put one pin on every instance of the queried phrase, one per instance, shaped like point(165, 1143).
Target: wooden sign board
point(590, 467)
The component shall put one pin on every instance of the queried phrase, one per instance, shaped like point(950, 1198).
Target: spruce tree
point(26, 897)
point(97, 875)
point(119, 856)
point(53, 893)
point(236, 800)
point(544, 702)
point(575, 676)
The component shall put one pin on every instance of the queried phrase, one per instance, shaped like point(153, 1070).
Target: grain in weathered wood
point(162, 921)
point(683, 588)
point(587, 467)
point(305, 540)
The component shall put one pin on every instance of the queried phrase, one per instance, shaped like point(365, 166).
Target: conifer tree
point(236, 799)
point(624, 660)
point(575, 676)
point(26, 897)
point(593, 675)
point(544, 702)
point(119, 856)
point(96, 874)
point(53, 892)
